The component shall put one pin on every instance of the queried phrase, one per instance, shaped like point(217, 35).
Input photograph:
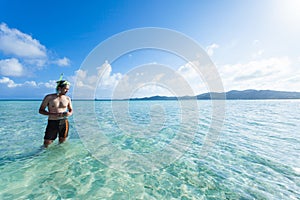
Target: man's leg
point(51, 132)
point(47, 142)
point(63, 131)
point(62, 139)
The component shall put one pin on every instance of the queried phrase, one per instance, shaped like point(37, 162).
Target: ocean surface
point(152, 152)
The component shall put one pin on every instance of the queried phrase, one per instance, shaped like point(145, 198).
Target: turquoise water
point(256, 155)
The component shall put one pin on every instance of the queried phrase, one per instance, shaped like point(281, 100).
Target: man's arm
point(70, 108)
point(44, 105)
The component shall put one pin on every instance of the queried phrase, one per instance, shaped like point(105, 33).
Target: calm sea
point(152, 152)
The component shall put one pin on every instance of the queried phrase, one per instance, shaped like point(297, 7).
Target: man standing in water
point(59, 108)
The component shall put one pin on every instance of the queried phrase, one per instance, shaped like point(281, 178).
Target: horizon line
point(158, 96)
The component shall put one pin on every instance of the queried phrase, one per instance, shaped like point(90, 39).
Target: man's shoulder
point(67, 97)
point(50, 96)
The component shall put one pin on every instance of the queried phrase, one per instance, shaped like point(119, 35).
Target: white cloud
point(11, 67)
point(192, 77)
point(26, 50)
point(26, 89)
point(14, 42)
point(101, 81)
point(210, 49)
point(37, 62)
point(272, 73)
point(10, 83)
point(62, 62)
point(139, 82)
point(82, 80)
point(158, 80)
point(108, 80)
point(151, 90)
point(28, 84)
point(49, 84)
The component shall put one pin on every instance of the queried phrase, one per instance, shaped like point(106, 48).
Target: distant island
point(233, 95)
point(250, 94)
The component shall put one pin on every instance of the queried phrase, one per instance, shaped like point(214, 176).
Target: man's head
point(62, 86)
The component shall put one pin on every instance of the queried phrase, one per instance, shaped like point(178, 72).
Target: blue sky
point(253, 44)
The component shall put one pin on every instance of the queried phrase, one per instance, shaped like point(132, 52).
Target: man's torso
point(57, 104)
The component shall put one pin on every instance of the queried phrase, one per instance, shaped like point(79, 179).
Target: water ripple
point(256, 155)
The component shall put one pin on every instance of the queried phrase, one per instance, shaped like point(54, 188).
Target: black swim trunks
point(54, 127)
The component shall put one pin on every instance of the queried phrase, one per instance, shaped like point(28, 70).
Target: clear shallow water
point(256, 155)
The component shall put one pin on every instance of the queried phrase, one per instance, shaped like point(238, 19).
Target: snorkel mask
point(61, 83)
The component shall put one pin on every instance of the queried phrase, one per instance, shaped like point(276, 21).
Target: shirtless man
point(59, 108)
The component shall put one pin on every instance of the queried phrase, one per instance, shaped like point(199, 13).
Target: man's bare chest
point(58, 103)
